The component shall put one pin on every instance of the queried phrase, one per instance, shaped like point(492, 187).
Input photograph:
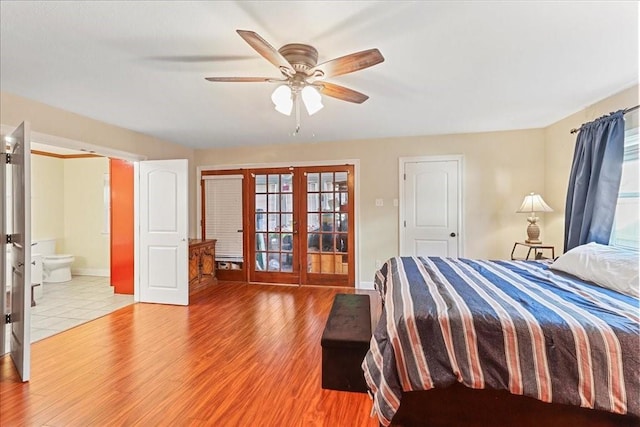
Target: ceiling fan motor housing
point(301, 56)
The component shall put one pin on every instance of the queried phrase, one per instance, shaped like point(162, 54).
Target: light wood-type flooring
point(238, 355)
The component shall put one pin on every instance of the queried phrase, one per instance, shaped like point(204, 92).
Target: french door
point(273, 226)
point(300, 225)
point(328, 221)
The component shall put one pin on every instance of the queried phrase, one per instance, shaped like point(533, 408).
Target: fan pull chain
point(297, 104)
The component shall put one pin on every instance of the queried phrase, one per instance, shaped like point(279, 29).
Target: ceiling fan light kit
point(281, 98)
point(303, 77)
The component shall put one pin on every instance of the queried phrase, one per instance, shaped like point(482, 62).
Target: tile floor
point(65, 305)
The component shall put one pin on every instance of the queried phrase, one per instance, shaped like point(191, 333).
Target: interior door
point(430, 208)
point(20, 340)
point(163, 222)
point(273, 254)
point(3, 244)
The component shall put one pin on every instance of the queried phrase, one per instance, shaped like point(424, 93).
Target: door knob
point(452, 234)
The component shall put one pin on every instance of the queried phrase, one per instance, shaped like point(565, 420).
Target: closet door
point(273, 226)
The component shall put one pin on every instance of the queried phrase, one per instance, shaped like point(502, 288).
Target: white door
point(163, 220)
point(20, 340)
point(430, 209)
point(3, 244)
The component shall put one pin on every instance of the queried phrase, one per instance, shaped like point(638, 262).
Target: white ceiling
point(450, 67)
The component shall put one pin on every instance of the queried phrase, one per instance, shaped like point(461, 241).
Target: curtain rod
point(625, 111)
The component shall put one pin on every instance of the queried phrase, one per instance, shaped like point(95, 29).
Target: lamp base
point(533, 234)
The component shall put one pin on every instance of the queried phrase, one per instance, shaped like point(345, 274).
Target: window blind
point(223, 214)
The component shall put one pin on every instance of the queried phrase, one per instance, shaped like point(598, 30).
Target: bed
point(510, 333)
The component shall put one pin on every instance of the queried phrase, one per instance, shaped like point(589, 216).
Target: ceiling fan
point(303, 76)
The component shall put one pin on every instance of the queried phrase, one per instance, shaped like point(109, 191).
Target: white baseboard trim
point(366, 285)
point(101, 272)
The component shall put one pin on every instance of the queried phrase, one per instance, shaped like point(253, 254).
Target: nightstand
point(537, 248)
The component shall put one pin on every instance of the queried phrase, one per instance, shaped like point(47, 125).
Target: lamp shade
point(281, 98)
point(312, 100)
point(534, 203)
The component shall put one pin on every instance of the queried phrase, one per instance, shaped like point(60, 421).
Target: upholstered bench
point(345, 342)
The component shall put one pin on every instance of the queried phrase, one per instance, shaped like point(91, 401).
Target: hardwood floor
point(239, 355)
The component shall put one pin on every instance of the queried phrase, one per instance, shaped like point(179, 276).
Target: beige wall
point(53, 121)
point(47, 197)
point(67, 205)
point(499, 169)
point(559, 144)
point(84, 210)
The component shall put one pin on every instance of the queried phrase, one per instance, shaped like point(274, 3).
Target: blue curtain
point(594, 181)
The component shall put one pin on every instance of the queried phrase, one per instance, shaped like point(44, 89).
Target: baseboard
point(366, 285)
point(100, 272)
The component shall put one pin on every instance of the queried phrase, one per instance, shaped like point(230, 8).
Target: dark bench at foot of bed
point(345, 342)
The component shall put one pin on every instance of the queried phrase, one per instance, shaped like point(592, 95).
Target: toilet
point(56, 268)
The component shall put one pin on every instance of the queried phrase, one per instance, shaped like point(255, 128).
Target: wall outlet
point(379, 202)
point(378, 264)
point(395, 202)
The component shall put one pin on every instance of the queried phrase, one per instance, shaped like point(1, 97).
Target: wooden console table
point(202, 264)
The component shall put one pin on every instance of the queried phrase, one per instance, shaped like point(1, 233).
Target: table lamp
point(533, 203)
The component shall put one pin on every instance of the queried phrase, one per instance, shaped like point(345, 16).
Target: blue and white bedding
point(511, 325)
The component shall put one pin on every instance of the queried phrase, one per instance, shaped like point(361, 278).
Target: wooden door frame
point(401, 177)
point(200, 170)
point(233, 275)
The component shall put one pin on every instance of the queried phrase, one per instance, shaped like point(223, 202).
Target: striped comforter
point(512, 325)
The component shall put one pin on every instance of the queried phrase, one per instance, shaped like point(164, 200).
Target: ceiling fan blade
point(341, 92)
point(270, 53)
point(350, 63)
point(243, 79)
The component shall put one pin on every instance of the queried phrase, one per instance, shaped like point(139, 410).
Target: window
point(626, 227)
point(223, 214)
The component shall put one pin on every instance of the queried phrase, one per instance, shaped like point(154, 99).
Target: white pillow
point(606, 266)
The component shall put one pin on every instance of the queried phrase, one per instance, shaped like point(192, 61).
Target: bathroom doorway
point(70, 197)
point(71, 205)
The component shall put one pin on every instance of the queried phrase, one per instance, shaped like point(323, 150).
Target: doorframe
point(356, 173)
point(59, 141)
point(402, 161)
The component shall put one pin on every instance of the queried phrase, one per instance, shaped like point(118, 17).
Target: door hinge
point(7, 158)
point(405, 176)
point(405, 224)
point(7, 319)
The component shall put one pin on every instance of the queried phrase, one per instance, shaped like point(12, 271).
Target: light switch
point(379, 202)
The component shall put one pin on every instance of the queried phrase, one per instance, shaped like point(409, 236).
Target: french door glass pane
point(313, 182)
point(273, 203)
point(286, 203)
point(273, 196)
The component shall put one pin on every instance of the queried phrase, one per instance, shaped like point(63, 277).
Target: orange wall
point(121, 176)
